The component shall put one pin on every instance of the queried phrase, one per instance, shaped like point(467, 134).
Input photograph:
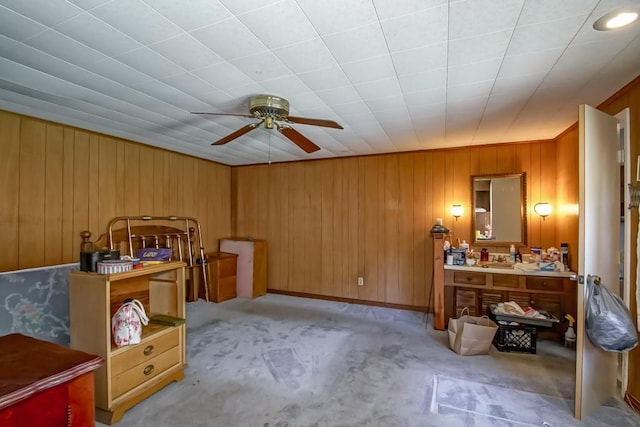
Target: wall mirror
point(499, 210)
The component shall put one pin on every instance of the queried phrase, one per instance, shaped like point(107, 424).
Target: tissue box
point(459, 256)
point(154, 254)
point(546, 266)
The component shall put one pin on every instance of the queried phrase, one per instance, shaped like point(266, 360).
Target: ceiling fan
point(273, 111)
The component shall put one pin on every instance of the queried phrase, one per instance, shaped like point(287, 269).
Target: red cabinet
point(45, 384)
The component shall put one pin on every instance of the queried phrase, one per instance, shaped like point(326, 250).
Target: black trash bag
point(608, 323)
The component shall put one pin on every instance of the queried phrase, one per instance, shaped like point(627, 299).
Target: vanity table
point(479, 287)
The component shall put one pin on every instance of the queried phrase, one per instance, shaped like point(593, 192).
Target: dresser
point(222, 268)
point(130, 373)
point(252, 265)
point(45, 384)
point(477, 288)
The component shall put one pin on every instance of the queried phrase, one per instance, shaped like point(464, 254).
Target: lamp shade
point(543, 209)
point(457, 210)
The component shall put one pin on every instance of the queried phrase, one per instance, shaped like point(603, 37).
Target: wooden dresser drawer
point(522, 298)
point(545, 283)
point(222, 267)
point(228, 265)
point(469, 278)
point(466, 298)
point(143, 372)
point(506, 280)
point(137, 354)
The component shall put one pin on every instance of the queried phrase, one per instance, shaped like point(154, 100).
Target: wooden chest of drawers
point(134, 372)
point(252, 265)
point(222, 268)
point(45, 384)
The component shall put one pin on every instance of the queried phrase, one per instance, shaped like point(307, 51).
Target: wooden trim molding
point(347, 300)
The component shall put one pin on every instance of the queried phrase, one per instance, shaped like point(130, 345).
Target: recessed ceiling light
point(615, 20)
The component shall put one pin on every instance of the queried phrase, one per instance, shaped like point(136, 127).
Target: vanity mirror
point(499, 210)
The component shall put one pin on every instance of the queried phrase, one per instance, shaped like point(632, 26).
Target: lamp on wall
point(457, 211)
point(543, 209)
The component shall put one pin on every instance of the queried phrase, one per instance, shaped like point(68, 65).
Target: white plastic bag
point(126, 323)
point(608, 323)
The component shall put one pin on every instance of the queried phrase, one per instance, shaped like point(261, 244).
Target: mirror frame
point(523, 211)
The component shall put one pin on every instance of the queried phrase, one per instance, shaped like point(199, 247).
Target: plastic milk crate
point(515, 338)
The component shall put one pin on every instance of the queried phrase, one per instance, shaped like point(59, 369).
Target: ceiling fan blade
point(221, 114)
point(237, 133)
point(314, 122)
point(298, 139)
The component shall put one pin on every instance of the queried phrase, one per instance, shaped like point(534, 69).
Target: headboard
point(183, 237)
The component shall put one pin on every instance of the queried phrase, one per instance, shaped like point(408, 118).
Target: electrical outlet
point(360, 281)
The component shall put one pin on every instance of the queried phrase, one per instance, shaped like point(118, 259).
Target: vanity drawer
point(522, 298)
point(545, 283)
point(129, 379)
point(469, 278)
point(489, 298)
point(140, 353)
point(466, 298)
point(506, 280)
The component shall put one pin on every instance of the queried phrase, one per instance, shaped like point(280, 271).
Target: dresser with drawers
point(130, 373)
point(477, 288)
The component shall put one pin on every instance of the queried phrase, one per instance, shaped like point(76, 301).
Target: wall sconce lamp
point(457, 211)
point(543, 209)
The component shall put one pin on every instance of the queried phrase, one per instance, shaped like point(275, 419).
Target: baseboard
point(349, 300)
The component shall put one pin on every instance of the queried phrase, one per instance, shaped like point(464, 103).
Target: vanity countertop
point(518, 272)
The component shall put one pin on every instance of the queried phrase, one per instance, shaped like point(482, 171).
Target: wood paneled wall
point(56, 181)
point(329, 221)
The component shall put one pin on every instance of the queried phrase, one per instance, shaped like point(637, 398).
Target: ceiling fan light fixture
point(270, 110)
point(615, 20)
point(263, 106)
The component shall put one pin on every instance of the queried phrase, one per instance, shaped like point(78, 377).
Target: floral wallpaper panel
point(35, 302)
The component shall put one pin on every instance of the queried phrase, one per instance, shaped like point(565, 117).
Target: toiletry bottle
point(484, 254)
point(518, 256)
point(464, 245)
point(512, 253)
point(564, 255)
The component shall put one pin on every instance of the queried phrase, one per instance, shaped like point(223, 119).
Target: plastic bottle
point(449, 257)
point(570, 335)
point(564, 255)
point(464, 245)
point(512, 253)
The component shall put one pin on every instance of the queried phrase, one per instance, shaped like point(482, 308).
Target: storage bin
point(516, 338)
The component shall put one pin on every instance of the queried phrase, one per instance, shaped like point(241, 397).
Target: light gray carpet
point(287, 361)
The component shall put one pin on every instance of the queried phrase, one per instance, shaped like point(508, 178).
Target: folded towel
point(525, 266)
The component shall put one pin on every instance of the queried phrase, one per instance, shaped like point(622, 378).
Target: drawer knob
point(148, 350)
point(148, 369)
point(469, 279)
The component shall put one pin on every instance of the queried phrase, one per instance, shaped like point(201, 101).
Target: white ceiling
point(399, 75)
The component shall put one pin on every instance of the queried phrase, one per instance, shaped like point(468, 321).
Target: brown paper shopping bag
point(471, 335)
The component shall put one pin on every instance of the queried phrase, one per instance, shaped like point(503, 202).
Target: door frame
point(623, 123)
